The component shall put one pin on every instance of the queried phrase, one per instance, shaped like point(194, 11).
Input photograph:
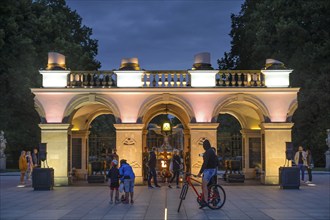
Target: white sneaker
point(308, 182)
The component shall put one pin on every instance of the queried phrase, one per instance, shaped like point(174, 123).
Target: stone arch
point(249, 101)
point(82, 100)
point(293, 107)
point(156, 105)
point(41, 111)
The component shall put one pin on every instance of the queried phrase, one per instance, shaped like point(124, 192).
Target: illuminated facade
point(261, 100)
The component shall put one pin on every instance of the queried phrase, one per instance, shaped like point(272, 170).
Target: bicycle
point(216, 194)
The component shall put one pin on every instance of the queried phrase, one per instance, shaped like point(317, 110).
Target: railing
point(240, 78)
point(155, 79)
point(91, 79)
point(166, 79)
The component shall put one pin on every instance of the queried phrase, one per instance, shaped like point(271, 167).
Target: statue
point(327, 153)
point(3, 143)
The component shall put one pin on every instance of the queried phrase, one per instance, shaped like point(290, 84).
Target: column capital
point(246, 131)
point(127, 126)
point(203, 126)
point(276, 126)
point(81, 133)
point(55, 126)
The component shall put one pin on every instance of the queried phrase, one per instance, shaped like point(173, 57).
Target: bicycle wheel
point(217, 197)
point(183, 194)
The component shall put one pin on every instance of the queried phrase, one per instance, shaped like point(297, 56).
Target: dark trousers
point(309, 171)
point(152, 174)
point(176, 174)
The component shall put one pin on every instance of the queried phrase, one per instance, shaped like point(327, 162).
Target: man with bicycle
point(208, 169)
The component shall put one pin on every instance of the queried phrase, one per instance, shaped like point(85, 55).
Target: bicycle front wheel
point(183, 194)
point(217, 197)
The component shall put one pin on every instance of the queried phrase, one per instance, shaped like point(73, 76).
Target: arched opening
point(164, 144)
point(102, 144)
point(229, 139)
point(92, 139)
point(242, 116)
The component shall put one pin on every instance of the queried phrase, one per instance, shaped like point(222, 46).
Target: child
point(113, 176)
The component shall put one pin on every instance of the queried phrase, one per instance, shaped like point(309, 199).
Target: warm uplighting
point(56, 61)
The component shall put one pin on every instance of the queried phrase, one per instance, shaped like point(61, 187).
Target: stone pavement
point(92, 202)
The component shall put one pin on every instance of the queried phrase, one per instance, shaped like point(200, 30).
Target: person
point(208, 169)
point(152, 168)
point(145, 163)
point(176, 167)
point(29, 165)
point(22, 164)
point(300, 160)
point(127, 176)
point(309, 161)
point(113, 176)
point(35, 158)
point(115, 155)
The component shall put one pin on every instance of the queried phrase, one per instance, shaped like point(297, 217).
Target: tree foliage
point(296, 33)
point(28, 31)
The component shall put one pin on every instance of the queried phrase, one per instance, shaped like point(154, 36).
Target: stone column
point(246, 134)
point(198, 133)
point(56, 137)
point(129, 147)
point(83, 135)
point(275, 136)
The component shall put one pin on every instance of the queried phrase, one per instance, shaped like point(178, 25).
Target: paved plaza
point(249, 201)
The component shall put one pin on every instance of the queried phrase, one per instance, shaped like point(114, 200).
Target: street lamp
point(166, 128)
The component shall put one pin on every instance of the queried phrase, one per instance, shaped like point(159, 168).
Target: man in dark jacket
point(208, 169)
point(152, 168)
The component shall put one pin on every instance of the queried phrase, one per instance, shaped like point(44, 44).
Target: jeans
point(152, 174)
point(302, 170)
point(309, 171)
point(176, 173)
point(129, 185)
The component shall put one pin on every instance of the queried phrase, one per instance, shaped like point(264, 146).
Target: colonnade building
point(261, 100)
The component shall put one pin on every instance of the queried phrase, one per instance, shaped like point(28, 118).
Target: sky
point(162, 34)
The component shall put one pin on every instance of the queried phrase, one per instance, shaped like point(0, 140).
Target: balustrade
point(155, 79)
point(166, 79)
point(91, 79)
point(239, 78)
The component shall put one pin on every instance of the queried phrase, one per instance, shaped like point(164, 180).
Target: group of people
point(124, 176)
point(26, 163)
point(176, 165)
point(303, 159)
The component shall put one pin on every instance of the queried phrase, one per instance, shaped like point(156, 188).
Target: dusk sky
point(162, 34)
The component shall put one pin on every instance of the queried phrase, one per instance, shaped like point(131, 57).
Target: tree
point(28, 31)
point(296, 33)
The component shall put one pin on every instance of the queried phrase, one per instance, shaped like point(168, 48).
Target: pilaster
point(56, 137)
point(198, 133)
point(275, 136)
point(129, 147)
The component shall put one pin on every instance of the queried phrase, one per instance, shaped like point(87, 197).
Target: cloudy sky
point(162, 34)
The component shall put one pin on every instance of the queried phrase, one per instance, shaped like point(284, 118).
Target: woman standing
point(29, 165)
point(300, 160)
point(22, 164)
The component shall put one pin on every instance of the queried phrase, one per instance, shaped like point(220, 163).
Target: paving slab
point(92, 202)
